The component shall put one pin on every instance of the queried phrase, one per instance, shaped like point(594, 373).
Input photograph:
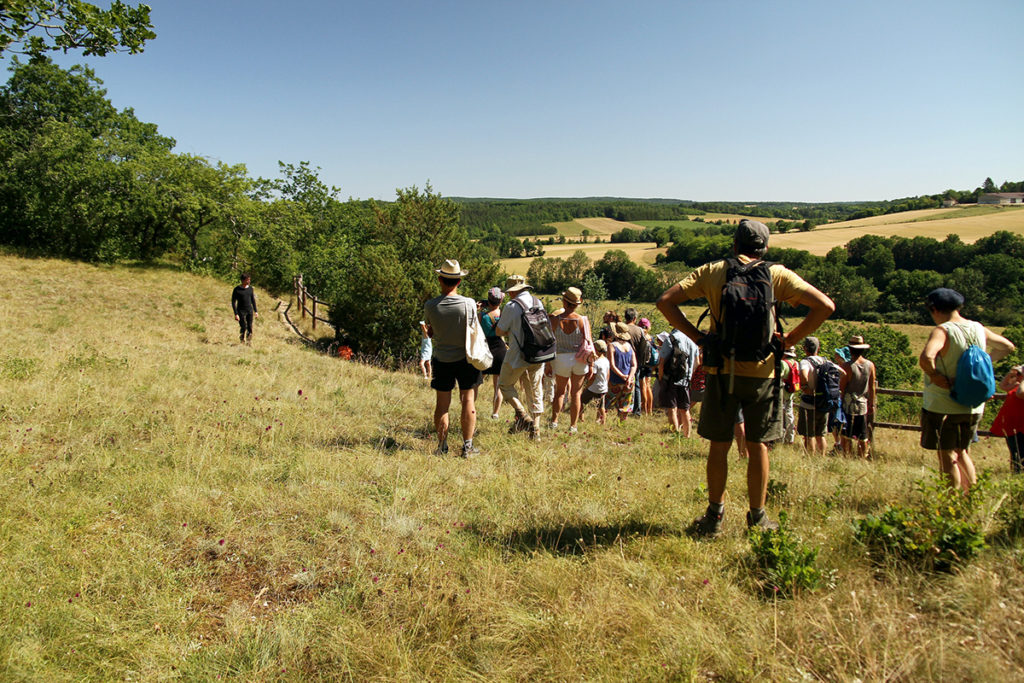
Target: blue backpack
point(975, 380)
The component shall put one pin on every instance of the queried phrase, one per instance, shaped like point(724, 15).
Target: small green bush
point(783, 564)
point(939, 530)
point(1010, 512)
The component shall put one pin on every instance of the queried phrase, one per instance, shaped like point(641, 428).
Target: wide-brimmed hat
point(513, 280)
point(857, 342)
point(517, 287)
point(601, 346)
point(451, 270)
point(621, 331)
point(790, 353)
point(572, 296)
point(558, 311)
point(844, 353)
point(660, 338)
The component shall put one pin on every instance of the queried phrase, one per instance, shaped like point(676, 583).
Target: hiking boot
point(762, 522)
point(708, 525)
point(534, 431)
point(520, 424)
point(442, 448)
point(468, 451)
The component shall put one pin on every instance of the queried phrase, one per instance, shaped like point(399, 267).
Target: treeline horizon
point(81, 179)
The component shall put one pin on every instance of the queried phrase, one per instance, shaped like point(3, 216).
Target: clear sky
point(753, 100)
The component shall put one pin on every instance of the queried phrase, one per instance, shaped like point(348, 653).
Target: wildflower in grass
point(376, 579)
point(221, 541)
point(300, 392)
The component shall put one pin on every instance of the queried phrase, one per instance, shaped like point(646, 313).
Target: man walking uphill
point(448, 317)
point(740, 355)
point(243, 304)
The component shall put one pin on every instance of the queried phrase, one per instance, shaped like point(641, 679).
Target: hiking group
point(743, 370)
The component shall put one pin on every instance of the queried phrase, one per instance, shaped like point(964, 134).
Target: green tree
point(34, 27)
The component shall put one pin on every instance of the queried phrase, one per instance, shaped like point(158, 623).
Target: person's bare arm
point(668, 304)
point(872, 391)
point(936, 344)
point(821, 308)
point(844, 379)
point(998, 346)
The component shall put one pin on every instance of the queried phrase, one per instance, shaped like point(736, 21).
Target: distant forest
point(81, 179)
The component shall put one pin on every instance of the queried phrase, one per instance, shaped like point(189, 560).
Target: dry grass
point(174, 507)
point(642, 253)
point(967, 222)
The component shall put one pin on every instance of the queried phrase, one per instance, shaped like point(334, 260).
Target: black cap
point(944, 299)
point(751, 236)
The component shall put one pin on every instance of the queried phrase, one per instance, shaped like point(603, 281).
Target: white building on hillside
point(1002, 198)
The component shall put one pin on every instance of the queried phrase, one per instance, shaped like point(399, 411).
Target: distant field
point(642, 253)
point(596, 226)
point(970, 223)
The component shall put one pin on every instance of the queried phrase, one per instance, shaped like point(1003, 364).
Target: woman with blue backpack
point(958, 381)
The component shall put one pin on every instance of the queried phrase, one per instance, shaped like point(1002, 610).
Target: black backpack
point(826, 387)
point(749, 321)
point(675, 365)
point(538, 342)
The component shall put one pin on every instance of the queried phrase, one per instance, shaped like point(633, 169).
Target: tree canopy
point(34, 27)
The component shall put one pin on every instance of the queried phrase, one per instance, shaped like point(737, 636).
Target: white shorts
point(565, 364)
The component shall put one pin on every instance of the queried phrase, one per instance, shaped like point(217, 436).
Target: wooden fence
point(916, 394)
point(303, 297)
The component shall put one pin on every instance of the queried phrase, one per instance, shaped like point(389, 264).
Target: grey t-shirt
point(511, 324)
point(446, 316)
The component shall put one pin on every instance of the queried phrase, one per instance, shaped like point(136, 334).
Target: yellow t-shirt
point(707, 282)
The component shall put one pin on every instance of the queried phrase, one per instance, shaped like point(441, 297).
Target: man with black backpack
point(531, 343)
point(820, 396)
point(677, 354)
point(742, 353)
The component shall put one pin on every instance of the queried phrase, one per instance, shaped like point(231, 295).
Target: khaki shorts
point(940, 432)
point(811, 422)
point(755, 396)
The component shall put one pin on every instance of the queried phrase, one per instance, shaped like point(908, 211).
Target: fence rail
point(302, 296)
point(916, 394)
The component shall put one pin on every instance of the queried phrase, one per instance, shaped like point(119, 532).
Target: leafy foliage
point(939, 530)
point(34, 27)
point(784, 565)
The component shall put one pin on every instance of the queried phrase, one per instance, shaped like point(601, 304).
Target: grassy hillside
point(179, 506)
point(969, 222)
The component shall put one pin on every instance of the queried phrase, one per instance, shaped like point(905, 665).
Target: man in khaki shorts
point(752, 382)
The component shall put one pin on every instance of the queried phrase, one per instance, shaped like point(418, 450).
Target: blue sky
point(728, 100)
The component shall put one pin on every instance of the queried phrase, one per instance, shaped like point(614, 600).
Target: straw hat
point(572, 296)
point(857, 342)
point(601, 346)
point(513, 280)
point(451, 270)
point(621, 331)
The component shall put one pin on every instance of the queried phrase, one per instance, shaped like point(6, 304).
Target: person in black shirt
point(243, 303)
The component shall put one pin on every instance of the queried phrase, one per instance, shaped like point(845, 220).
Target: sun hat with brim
point(660, 338)
point(516, 288)
point(601, 346)
point(572, 296)
point(451, 269)
point(790, 353)
point(621, 331)
point(558, 311)
point(857, 342)
point(844, 353)
point(513, 280)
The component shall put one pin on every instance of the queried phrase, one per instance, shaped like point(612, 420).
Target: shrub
point(1010, 510)
point(783, 565)
point(938, 530)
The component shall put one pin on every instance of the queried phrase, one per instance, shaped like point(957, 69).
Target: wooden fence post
point(314, 312)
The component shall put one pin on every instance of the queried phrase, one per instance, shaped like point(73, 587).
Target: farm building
point(1002, 198)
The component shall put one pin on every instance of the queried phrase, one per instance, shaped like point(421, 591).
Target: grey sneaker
point(708, 525)
point(468, 451)
point(762, 522)
point(442, 448)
